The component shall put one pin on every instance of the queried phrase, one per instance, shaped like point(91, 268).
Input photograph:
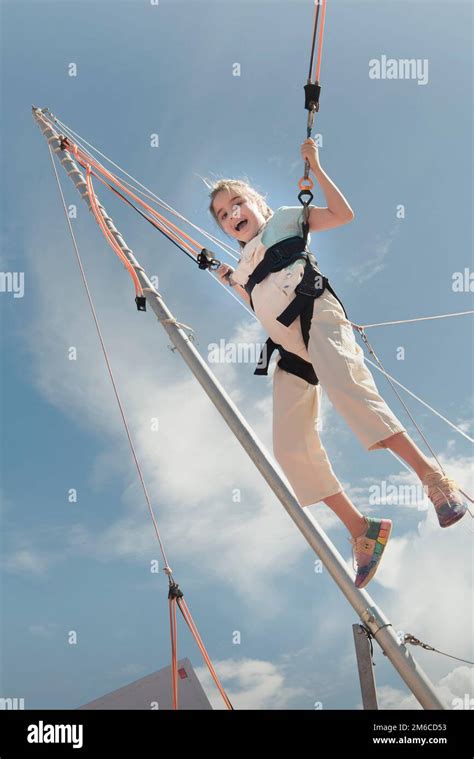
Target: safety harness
point(312, 285)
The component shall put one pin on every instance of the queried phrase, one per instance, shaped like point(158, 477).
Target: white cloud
point(427, 572)
point(43, 630)
point(250, 684)
point(455, 689)
point(431, 546)
point(424, 586)
point(374, 262)
point(392, 698)
point(29, 561)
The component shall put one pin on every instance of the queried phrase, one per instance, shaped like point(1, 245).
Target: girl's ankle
point(360, 529)
point(429, 470)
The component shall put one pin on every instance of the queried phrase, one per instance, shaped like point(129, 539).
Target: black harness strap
point(312, 286)
point(290, 362)
point(277, 257)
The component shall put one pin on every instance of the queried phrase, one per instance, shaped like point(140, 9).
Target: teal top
point(287, 221)
point(271, 296)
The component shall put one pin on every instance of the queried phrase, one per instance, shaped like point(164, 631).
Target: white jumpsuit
point(338, 361)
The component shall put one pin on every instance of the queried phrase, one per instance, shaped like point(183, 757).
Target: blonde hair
point(244, 189)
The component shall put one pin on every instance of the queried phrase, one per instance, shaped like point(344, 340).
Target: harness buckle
point(205, 260)
point(313, 282)
point(277, 255)
point(311, 286)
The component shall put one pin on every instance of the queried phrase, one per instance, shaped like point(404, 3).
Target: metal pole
point(364, 665)
point(371, 616)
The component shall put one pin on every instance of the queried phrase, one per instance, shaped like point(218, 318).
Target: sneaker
point(444, 494)
point(368, 548)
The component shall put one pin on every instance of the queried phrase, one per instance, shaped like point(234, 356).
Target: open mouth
point(241, 225)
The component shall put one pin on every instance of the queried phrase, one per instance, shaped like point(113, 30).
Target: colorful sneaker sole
point(450, 514)
point(380, 532)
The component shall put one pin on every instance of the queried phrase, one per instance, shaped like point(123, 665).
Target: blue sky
point(167, 69)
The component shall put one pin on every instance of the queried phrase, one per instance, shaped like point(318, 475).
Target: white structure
point(154, 692)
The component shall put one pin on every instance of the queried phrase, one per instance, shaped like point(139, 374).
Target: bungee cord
point(141, 188)
point(181, 237)
point(106, 357)
point(312, 90)
point(144, 216)
point(153, 198)
point(175, 595)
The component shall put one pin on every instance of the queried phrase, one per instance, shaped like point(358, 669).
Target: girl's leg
point(347, 513)
point(369, 537)
point(298, 449)
point(449, 502)
point(297, 445)
point(339, 363)
point(403, 446)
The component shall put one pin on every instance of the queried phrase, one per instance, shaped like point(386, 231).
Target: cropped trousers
point(338, 361)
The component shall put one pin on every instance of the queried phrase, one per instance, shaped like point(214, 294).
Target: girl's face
point(238, 216)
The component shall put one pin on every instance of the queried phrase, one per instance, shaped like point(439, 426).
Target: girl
point(320, 351)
